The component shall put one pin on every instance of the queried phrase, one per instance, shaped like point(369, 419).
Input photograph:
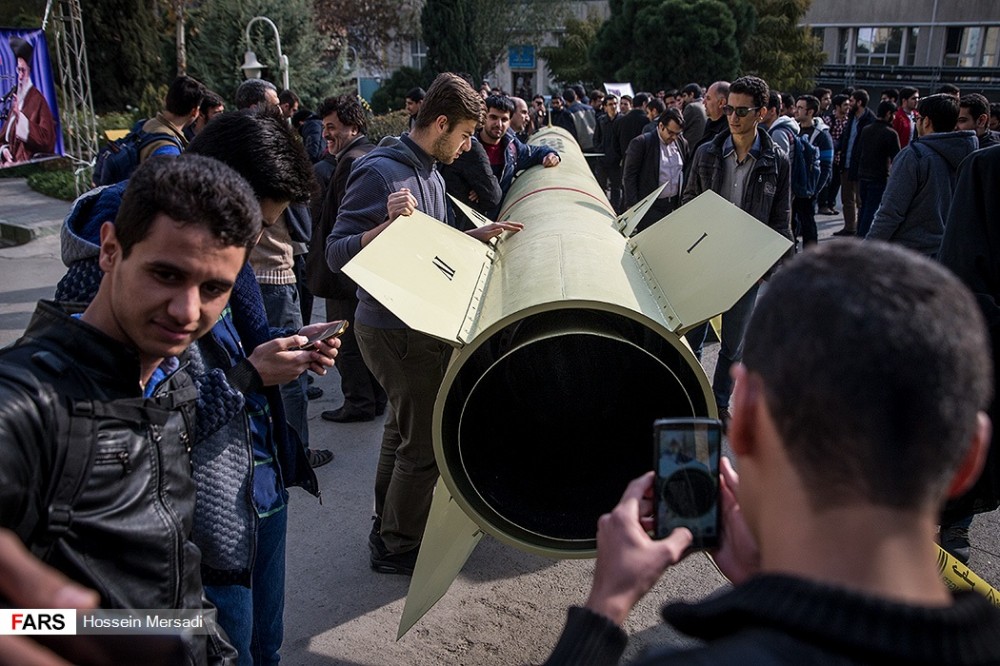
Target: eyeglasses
point(740, 111)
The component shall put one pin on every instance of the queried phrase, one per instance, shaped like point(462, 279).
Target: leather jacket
point(127, 532)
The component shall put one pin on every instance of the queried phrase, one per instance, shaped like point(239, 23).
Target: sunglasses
point(740, 111)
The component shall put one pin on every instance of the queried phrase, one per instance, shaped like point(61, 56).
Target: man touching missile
point(389, 183)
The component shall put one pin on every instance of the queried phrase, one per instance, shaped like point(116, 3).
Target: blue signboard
point(521, 57)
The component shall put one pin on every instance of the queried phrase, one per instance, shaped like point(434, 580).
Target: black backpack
point(118, 159)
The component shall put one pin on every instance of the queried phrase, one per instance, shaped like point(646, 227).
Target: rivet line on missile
point(703, 237)
point(603, 202)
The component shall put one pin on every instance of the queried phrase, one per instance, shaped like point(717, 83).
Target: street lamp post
point(251, 66)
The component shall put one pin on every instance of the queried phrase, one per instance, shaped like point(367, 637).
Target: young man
point(918, 192)
point(170, 259)
point(974, 114)
point(879, 145)
point(246, 455)
point(746, 169)
point(904, 121)
point(812, 128)
point(385, 185)
point(414, 98)
point(181, 109)
point(507, 155)
point(609, 164)
point(860, 117)
point(828, 531)
point(654, 159)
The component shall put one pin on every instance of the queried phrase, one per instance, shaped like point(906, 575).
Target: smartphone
point(686, 488)
point(334, 330)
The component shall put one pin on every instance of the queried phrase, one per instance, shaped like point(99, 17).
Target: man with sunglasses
point(744, 167)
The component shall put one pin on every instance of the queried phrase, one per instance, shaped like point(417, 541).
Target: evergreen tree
point(780, 52)
point(448, 33)
point(568, 62)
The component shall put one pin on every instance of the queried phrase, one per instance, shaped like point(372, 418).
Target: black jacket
point(866, 119)
point(472, 172)
point(628, 127)
point(641, 173)
point(879, 146)
point(127, 535)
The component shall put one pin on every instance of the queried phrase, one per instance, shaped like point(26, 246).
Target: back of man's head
point(190, 189)
point(264, 149)
point(253, 91)
point(941, 109)
point(872, 382)
point(348, 109)
point(569, 95)
point(655, 107)
point(184, 95)
point(885, 107)
point(640, 100)
point(774, 101)
point(692, 89)
point(451, 96)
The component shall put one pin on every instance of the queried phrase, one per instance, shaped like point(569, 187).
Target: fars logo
point(37, 621)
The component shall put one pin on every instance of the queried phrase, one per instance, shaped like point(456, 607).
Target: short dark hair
point(286, 96)
point(628, 97)
point(252, 92)
point(891, 93)
point(839, 99)
point(861, 95)
point(348, 109)
point(656, 105)
point(995, 110)
point(906, 92)
point(451, 96)
point(787, 99)
point(948, 89)
point(500, 103)
point(569, 95)
point(818, 93)
point(692, 89)
point(754, 86)
point(897, 386)
point(773, 100)
point(596, 94)
point(671, 114)
point(210, 101)
point(976, 104)
point(262, 147)
point(191, 189)
point(884, 107)
point(183, 95)
point(416, 94)
point(811, 102)
point(641, 99)
point(942, 109)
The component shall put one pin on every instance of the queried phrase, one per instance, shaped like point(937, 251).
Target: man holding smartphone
point(828, 534)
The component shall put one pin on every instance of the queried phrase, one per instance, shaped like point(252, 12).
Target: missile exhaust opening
point(548, 421)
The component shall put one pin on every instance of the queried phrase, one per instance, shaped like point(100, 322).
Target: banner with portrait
point(29, 112)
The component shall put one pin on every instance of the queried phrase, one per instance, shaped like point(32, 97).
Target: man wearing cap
point(30, 128)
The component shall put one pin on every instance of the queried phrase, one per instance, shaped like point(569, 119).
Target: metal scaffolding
point(77, 112)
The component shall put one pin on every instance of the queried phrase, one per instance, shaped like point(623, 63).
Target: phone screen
point(335, 329)
point(686, 489)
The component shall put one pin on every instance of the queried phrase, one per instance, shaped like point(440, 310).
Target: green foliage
point(472, 36)
point(568, 62)
point(59, 184)
point(391, 96)
point(669, 43)
point(216, 42)
point(388, 124)
point(780, 52)
point(116, 121)
point(124, 46)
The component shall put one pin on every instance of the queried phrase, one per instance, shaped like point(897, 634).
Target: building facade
point(878, 44)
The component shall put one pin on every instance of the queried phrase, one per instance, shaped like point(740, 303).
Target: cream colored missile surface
point(568, 345)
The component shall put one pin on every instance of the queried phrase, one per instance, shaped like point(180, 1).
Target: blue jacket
point(517, 157)
point(919, 191)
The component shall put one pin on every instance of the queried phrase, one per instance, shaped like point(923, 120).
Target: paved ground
point(507, 607)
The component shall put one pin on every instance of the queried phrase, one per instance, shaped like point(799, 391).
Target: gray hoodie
point(919, 190)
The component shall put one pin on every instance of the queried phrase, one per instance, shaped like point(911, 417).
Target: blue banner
point(521, 57)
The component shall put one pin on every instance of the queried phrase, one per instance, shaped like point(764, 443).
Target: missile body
point(568, 345)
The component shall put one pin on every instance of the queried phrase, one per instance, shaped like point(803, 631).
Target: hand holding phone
point(686, 485)
point(334, 330)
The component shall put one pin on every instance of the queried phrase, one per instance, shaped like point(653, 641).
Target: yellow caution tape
point(958, 577)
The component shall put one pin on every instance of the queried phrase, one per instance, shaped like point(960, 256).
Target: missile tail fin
point(629, 220)
point(449, 539)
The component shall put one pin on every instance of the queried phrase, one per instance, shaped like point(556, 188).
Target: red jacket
point(903, 126)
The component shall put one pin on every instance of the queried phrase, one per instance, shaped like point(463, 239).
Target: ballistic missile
point(567, 344)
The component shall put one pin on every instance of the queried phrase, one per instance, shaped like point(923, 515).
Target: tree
point(472, 36)
point(702, 47)
point(216, 42)
point(124, 52)
point(370, 26)
point(780, 52)
point(391, 96)
point(568, 62)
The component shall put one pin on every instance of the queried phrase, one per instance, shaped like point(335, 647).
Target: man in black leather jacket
point(100, 403)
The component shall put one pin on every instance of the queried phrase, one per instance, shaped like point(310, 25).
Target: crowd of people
point(167, 386)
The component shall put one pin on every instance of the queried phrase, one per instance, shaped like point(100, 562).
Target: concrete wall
point(901, 12)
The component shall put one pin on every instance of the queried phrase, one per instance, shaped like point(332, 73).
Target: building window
point(883, 46)
point(418, 54)
point(972, 46)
